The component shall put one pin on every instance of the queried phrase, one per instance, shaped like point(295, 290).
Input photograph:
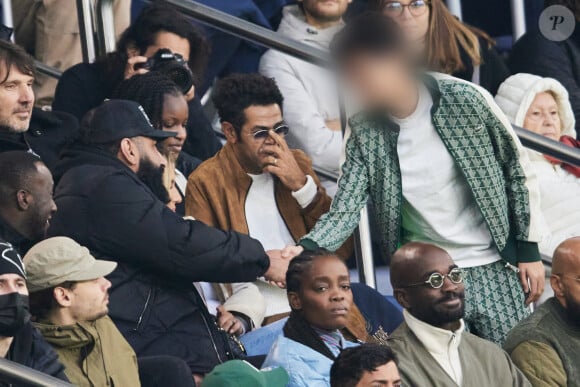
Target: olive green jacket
point(546, 346)
point(483, 144)
point(94, 354)
point(483, 363)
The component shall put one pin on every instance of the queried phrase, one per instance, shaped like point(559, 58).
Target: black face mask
point(14, 313)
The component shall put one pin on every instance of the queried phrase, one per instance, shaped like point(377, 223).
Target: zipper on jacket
point(452, 341)
point(140, 319)
point(399, 212)
point(202, 310)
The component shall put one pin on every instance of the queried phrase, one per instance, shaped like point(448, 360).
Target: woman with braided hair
point(167, 109)
point(86, 85)
point(318, 287)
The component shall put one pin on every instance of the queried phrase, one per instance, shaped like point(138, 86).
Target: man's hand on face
point(281, 163)
point(276, 274)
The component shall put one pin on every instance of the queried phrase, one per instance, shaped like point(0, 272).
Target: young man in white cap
point(69, 299)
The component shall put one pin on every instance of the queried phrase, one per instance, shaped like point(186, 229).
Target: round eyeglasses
point(280, 130)
point(436, 280)
point(396, 8)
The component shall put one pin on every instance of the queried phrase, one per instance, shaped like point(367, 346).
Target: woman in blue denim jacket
point(319, 293)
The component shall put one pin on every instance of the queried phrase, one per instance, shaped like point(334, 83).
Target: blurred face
point(325, 297)
point(386, 375)
point(543, 117)
point(412, 16)
point(325, 11)
point(89, 300)
point(16, 100)
point(42, 205)
point(253, 152)
point(375, 79)
point(12, 283)
point(171, 41)
point(442, 307)
point(174, 119)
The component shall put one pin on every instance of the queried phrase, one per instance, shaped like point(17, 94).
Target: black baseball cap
point(116, 119)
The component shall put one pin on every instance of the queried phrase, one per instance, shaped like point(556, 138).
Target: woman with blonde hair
point(444, 44)
point(169, 173)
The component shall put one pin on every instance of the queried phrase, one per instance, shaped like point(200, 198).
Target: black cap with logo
point(116, 119)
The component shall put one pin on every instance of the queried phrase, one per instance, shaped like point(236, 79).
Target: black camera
point(173, 66)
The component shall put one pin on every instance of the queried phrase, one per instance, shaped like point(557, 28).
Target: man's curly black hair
point(352, 363)
point(235, 93)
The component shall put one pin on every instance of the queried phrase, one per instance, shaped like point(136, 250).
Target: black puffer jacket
point(103, 205)
point(48, 134)
point(30, 349)
point(535, 54)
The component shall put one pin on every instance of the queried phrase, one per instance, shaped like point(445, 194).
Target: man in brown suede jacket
point(258, 186)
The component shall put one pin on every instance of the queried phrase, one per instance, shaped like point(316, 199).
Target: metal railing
point(87, 28)
point(102, 31)
point(518, 10)
point(454, 7)
point(47, 70)
point(270, 39)
point(19, 375)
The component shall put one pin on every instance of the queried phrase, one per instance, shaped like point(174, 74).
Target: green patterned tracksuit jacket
point(482, 143)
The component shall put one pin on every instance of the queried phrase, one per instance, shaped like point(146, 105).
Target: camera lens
point(178, 73)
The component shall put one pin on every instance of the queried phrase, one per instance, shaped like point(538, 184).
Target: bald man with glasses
point(432, 345)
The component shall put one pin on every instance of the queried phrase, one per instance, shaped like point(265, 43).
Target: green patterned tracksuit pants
point(494, 301)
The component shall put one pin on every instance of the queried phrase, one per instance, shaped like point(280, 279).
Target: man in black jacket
point(26, 204)
point(25, 208)
point(106, 206)
point(21, 126)
point(536, 54)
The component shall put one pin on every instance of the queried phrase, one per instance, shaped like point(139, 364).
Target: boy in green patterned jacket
point(441, 165)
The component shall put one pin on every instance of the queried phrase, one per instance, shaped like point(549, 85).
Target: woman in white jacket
point(542, 106)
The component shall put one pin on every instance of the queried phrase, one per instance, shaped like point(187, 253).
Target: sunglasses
point(395, 8)
point(436, 280)
point(280, 130)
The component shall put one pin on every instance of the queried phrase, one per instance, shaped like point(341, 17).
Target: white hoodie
point(559, 189)
point(310, 93)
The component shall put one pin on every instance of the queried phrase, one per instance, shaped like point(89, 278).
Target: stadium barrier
point(19, 375)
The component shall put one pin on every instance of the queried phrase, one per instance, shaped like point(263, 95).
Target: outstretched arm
point(333, 228)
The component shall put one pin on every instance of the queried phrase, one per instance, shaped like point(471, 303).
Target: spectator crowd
point(140, 249)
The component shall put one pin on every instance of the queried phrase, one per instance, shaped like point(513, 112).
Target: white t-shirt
point(265, 223)
point(438, 205)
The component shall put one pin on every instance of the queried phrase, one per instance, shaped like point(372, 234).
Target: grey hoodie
point(310, 93)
